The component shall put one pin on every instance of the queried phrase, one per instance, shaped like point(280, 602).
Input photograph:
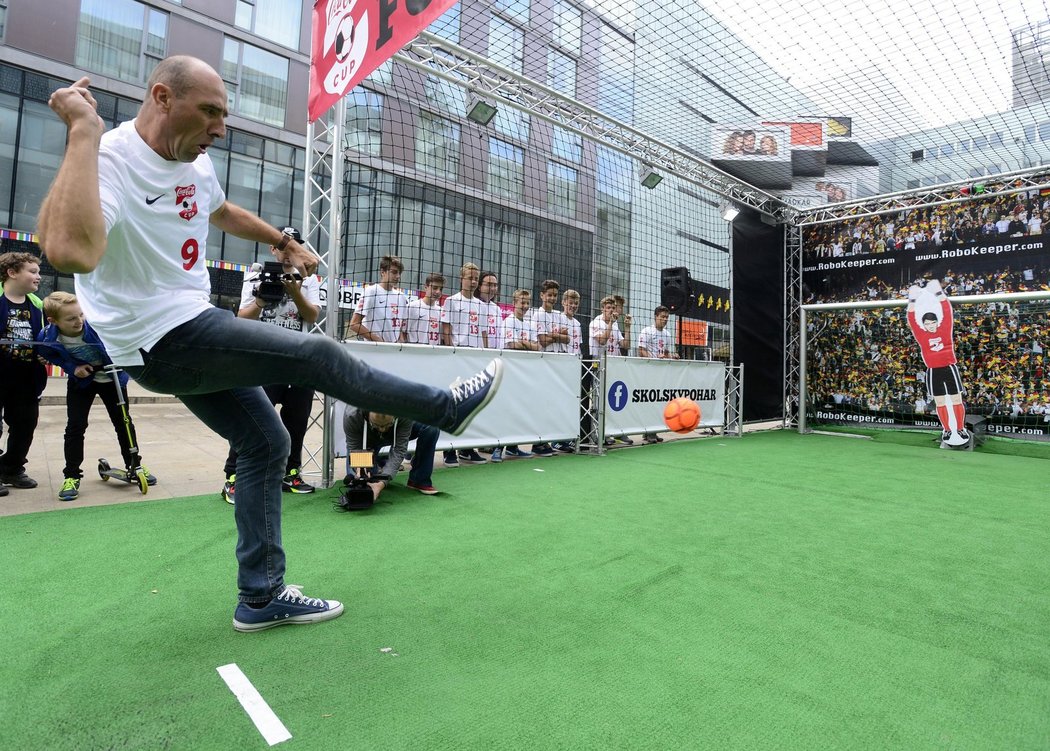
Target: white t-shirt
point(423, 322)
point(517, 331)
point(492, 324)
point(547, 323)
point(463, 315)
point(152, 277)
point(383, 311)
point(282, 313)
point(612, 344)
point(656, 342)
point(575, 344)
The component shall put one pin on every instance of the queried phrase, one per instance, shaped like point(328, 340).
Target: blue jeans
point(216, 365)
point(423, 460)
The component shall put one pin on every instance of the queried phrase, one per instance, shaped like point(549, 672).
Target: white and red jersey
point(423, 322)
point(612, 344)
point(938, 347)
point(547, 322)
point(515, 330)
point(383, 311)
point(492, 324)
point(575, 344)
point(463, 315)
point(657, 342)
point(152, 277)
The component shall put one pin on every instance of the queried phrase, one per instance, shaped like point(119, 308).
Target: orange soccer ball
point(682, 415)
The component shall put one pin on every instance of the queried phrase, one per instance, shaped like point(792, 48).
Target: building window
point(512, 122)
point(1044, 131)
point(918, 155)
point(122, 39)
point(566, 145)
point(561, 189)
point(913, 184)
point(568, 23)
point(506, 169)
point(964, 146)
point(980, 142)
point(947, 149)
point(506, 44)
point(445, 95)
point(277, 20)
point(976, 172)
point(1030, 134)
point(561, 73)
point(616, 76)
point(516, 9)
point(437, 146)
point(364, 121)
point(257, 82)
point(3, 17)
point(447, 25)
point(994, 169)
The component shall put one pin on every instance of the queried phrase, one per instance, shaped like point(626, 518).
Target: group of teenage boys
point(471, 318)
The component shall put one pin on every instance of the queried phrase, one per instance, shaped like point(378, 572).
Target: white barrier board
point(638, 388)
point(538, 400)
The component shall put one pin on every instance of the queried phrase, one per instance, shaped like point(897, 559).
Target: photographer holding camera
point(383, 430)
point(280, 295)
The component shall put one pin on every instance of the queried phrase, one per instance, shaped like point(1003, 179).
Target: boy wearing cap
point(297, 310)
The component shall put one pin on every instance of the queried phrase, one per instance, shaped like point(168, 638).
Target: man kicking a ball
point(930, 319)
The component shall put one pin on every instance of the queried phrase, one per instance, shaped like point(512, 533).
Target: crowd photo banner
point(351, 38)
point(863, 364)
point(638, 388)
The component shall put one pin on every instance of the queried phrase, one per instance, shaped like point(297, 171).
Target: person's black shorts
point(943, 381)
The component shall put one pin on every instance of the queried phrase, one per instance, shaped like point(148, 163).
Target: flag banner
point(351, 38)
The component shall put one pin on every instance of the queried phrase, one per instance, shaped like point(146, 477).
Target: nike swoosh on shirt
point(151, 201)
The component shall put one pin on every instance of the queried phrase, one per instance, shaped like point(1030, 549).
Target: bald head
point(184, 110)
point(180, 73)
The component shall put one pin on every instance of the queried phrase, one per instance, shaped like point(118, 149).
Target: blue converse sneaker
point(471, 395)
point(290, 606)
point(497, 455)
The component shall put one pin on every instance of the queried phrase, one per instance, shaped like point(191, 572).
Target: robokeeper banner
point(638, 388)
point(996, 240)
point(831, 278)
point(1028, 427)
point(351, 38)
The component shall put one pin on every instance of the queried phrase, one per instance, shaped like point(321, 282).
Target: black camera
point(357, 495)
point(271, 282)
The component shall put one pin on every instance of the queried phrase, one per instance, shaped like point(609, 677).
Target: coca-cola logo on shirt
point(183, 198)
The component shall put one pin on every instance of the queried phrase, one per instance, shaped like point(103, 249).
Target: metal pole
point(802, 371)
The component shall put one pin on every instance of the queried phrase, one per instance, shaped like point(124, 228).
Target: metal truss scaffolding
point(985, 187)
point(792, 322)
point(592, 416)
point(472, 71)
point(322, 232)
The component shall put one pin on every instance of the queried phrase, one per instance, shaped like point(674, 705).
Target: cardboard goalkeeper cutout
point(930, 320)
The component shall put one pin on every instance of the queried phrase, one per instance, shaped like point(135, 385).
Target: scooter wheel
point(103, 469)
point(142, 478)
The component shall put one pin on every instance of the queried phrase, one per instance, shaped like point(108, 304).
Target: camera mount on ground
point(357, 494)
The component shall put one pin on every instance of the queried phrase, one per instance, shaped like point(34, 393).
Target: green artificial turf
point(775, 591)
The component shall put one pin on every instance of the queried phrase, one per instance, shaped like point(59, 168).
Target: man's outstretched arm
point(72, 231)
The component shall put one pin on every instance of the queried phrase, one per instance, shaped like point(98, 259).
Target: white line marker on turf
point(272, 729)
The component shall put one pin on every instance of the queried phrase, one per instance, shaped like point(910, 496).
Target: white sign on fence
point(638, 388)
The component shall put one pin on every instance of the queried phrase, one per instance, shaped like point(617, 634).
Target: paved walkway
point(186, 457)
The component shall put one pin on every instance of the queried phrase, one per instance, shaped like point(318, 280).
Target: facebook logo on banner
point(618, 396)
